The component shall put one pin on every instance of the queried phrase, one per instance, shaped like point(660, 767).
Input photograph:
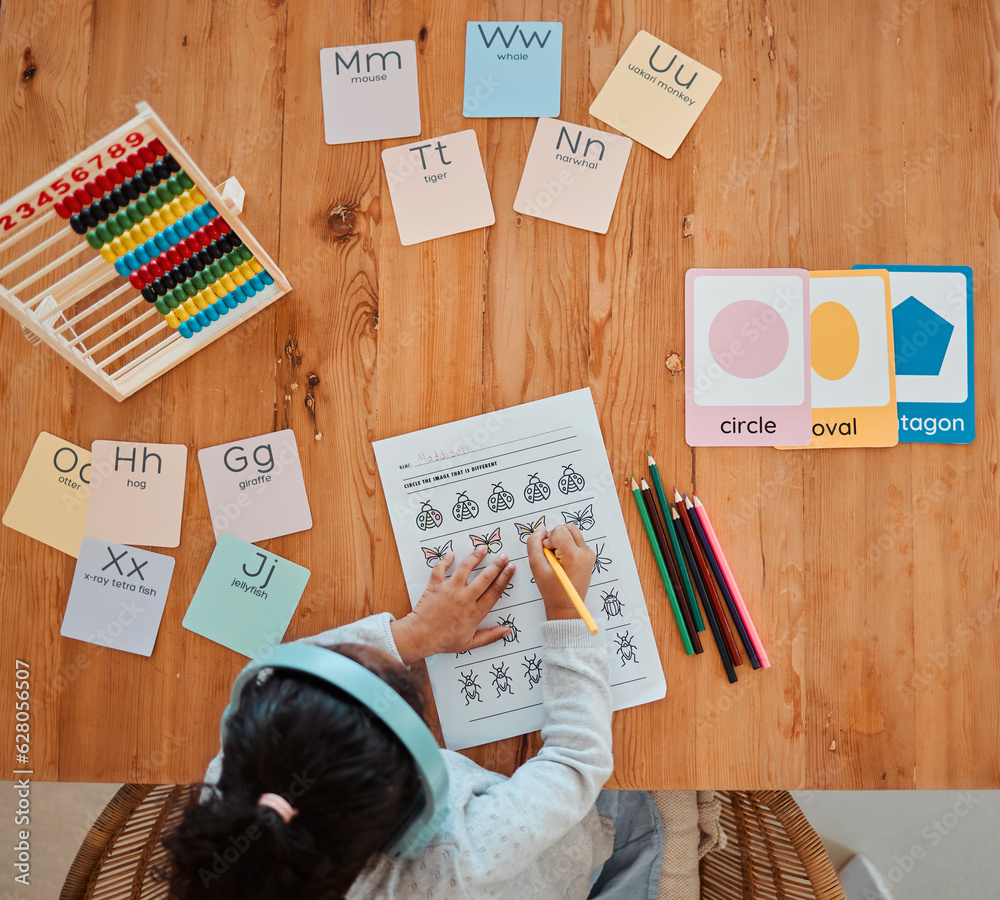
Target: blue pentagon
point(920, 338)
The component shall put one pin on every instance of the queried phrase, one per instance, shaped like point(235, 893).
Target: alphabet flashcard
point(573, 175)
point(655, 94)
point(438, 187)
point(255, 488)
point(512, 69)
point(246, 598)
point(853, 379)
point(747, 378)
point(117, 596)
point(50, 500)
point(932, 328)
point(370, 92)
point(137, 492)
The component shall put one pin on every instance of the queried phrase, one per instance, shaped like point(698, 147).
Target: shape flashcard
point(255, 488)
point(489, 481)
point(932, 328)
point(438, 187)
point(49, 503)
point(117, 596)
point(512, 69)
point(853, 379)
point(573, 175)
point(370, 92)
point(655, 94)
point(137, 493)
point(246, 597)
point(747, 378)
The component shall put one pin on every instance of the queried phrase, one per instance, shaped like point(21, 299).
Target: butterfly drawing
point(434, 555)
point(491, 542)
point(582, 518)
point(524, 529)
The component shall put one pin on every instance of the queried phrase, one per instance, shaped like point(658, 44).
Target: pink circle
point(748, 339)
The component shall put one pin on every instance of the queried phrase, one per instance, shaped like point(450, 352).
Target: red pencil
point(706, 574)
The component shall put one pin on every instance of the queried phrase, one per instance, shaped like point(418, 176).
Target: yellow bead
point(156, 220)
point(218, 290)
point(176, 207)
point(237, 277)
point(181, 313)
point(168, 215)
point(118, 247)
point(245, 270)
point(128, 241)
point(256, 266)
point(187, 202)
point(200, 299)
point(109, 254)
point(138, 235)
point(190, 306)
point(171, 319)
point(227, 283)
point(197, 195)
point(147, 228)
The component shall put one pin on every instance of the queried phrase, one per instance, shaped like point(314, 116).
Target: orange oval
point(835, 340)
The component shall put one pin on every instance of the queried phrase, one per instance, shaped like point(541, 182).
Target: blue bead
point(203, 318)
point(210, 210)
point(142, 255)
point(232, 299)
point(265, 276)
point(258, 285)
point(121, 267)
point(161, 242)
point(180, 230)
point(211, 312)
point(220, 306)
point(190, 222)
point(194, 324)
point(170, 234)
point(184, 329)
point(200, 216)
point(131, 261)
point(244, 292)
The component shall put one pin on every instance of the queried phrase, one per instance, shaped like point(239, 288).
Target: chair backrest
point(120, 855)
point(772, 853)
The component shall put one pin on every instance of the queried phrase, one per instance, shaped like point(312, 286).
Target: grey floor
point(928, 845)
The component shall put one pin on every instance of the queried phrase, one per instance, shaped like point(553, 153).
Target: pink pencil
point(731, 582)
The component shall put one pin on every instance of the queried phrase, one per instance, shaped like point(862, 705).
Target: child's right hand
point(567, 542)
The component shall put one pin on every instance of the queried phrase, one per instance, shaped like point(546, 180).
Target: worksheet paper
point(490, 480)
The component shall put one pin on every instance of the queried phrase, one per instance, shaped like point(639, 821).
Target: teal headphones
point(429, 809)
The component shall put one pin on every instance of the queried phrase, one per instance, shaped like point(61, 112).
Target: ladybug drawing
point(500, 500)
point(465, 508)
point(537, 490)
point(570, 482)
point(428, 517)
point(611, 605)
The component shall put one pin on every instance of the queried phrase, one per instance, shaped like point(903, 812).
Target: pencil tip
point(687, 502)
point(645, 486)
point(677, 496)
point(635, 487)
point(649, 458)
point(697, 502)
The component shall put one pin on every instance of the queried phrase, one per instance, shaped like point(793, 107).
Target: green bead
point(234, 256)
point(134, 214)
point(174, 186)
point(226, 264)
point(154, 200)
point(123, 219)
point(176, 297)
point(185, 180)
point(161, 306)
point(245, 252)
point(143, 204)
point(217, 269)
point(114, 226)
point(164, 193)
point(198, 280)
point(94, 240)
point(209, 278)
point(189, 289)
point(104, 233)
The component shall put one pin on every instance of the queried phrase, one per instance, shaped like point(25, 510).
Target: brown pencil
point(706, 574)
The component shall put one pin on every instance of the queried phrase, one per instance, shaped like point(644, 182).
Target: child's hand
point(445, 619)
point(567, 542)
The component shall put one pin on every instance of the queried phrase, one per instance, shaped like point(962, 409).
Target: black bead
point(234, 239)
point(150, 177)
point(97, 212)
point(119, 198)
point(196, 263)
point(88, 218)
point(224, 244)
point(167, 280)
point(186, 269)
point(215, 250)
point(158, 287)
point(77, 225)
point(161, 171)
point(147, 294)
point(131, 194)
point(171, 163)
point(109, 205)
point(205, 257)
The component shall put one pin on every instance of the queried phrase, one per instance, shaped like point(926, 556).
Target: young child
point(309, 785)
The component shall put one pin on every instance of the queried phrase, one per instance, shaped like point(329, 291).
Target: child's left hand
point(445, 619)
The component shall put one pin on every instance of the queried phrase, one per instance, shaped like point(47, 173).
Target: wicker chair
point(773, 853)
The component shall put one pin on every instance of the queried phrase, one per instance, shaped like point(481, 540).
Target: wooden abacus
point(179, 268)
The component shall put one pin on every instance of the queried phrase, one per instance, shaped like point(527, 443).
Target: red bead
point(60, 208)
point(163, 261)
point(212, 231)
point(222, 225)
point(115, 176)
point(124, 167)
point(83, 198)
point(155, 268)
point(136, 280)
point(94, 190)
point(104, 183)
point(174, 257)
point(147, 153)
point(158, 147)
point(185, 248)
point(72, 204)
point(203, 237)
point(135, 161)
point(147, 276)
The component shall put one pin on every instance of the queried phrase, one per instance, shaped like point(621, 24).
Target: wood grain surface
point(841, 133)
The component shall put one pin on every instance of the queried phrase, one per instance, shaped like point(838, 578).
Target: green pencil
point(699, 623)
point(662, 566)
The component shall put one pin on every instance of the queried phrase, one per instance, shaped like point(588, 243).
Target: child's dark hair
point(349, 778)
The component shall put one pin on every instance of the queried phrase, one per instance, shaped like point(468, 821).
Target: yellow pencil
point(570, 590)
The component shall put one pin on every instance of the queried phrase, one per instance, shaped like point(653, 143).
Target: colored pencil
point(709, 614)
point(571, 591)
point(734, 613)
point(678, 556)
point(734, 588)
point(706, 577)
point(673, 586)
point(661, 565)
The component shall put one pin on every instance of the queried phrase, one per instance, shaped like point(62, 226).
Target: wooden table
point(841, 133)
